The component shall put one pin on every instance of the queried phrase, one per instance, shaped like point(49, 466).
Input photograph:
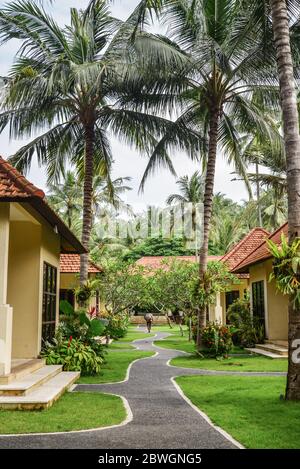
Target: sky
point(127, 162)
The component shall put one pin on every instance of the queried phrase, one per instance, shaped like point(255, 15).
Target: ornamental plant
point(286, 267)
point(73, 354)
point(217, 339)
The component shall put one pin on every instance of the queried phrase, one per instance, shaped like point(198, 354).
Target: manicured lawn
point(175, 341)
point(249, 408)
point(133, 335)
point(116, 344)
point(115, 367)
point(247, 363)
point(73, 411)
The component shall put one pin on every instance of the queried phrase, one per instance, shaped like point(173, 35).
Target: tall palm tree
point(70, 86)
point(190, 194)
point(281, 17)
point(224, 80)
point(66, 198)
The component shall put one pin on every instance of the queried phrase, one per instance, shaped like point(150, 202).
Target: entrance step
point(30, 381)
point(44, 395)
point(260, 351)
point(22, 368)
point(274, 348)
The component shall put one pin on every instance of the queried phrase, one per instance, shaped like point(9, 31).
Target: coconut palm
point(65, 198)
point(69, 86)
point(224, 79)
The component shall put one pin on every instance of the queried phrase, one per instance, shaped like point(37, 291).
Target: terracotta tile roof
point(155, 262)
point(261, 252)
point(70, 264)
point(241, 250)
point(14, 187)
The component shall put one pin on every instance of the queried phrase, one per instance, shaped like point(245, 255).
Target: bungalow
point(217, 312)
point(32, 237)
point(69, 279)
point(267, 304)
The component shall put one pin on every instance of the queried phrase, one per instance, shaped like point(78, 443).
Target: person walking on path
point(149, 320)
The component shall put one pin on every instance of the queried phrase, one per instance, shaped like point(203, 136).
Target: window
point(67, 295)
point(231, 296)
point(258, 301)
point(49, 301)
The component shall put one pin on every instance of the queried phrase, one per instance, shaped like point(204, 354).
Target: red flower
point(70, 340)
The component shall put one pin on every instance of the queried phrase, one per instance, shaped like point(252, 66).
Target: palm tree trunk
point(292, 148)
point(87, 201)
point(208, 201)
point(258, 196)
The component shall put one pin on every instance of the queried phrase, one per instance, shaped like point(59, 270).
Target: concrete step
point(281, 343)
point(31, 381)
point(22, 368)
point(42, 397)
point(260, 351)
point(277, 349)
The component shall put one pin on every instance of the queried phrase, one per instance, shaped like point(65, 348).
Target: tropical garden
point(221, 82)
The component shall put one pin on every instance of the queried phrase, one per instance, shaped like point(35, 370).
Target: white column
point(5, 309)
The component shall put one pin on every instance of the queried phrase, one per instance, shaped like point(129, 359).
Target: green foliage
point(118, 325)
point(158, 246)
point(84, 292)
point(286, 267)
point(217, 339)
point(82, 326)
point(248, 330)
point(74, 355)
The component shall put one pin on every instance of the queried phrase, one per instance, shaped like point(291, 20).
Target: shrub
point(217, 339)
point(81, 325)
point(248, 329)
point(118, 325)
point(74, 355)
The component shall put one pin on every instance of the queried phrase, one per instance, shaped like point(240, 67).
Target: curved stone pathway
point(162, 418)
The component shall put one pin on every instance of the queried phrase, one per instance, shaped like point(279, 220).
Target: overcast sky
point(127, 161)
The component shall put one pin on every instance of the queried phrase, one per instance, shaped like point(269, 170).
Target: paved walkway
point(161, 417)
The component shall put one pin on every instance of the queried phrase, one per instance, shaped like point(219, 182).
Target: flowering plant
point(217, 339)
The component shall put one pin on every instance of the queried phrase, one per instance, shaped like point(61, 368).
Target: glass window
point(49, 301)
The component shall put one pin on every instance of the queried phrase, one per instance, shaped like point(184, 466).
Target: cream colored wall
point(31, 243)
point(24, 286)
point(70, 281)
point(276, 304)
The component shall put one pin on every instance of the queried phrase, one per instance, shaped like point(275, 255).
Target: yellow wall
point(23, 287)
point(31, 243)
point(70, 281)
point(276, 304)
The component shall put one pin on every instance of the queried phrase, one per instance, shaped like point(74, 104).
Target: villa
point(32, 238)
point(267, 304)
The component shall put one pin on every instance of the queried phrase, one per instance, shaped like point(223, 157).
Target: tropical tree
point(66, 198)
point(282, 18)
point(224, 80)
point(75, 82)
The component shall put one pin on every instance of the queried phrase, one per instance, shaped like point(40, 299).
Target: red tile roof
point(70, 264)
point(155, 262)
point(241, 250)
point(14, 187)
point(261, 252)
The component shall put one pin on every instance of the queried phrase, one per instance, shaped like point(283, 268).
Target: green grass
point(249, 408)
point(116, 344)
point(115, 367)
point(251, 363)
point(175, 341)
point(73, 411)
point(132, 335)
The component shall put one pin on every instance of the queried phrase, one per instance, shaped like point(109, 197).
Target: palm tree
point(75, 82)
point(224, 79)
point(190, 194)
point(66, 198)
point(108, 192)
point(282, 17)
